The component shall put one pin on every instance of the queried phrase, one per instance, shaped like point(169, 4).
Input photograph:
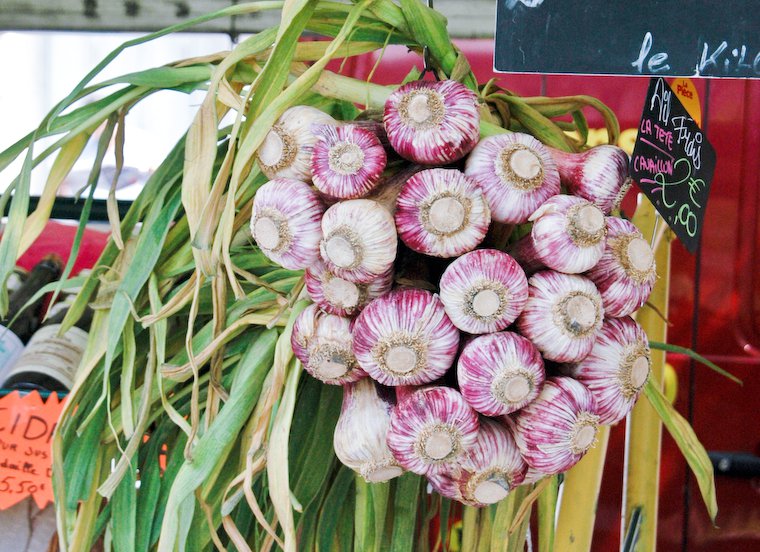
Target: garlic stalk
point(360, 434)
point(490, 469)
point(432, 123)
point(338, 296)
point(516, 173)
point(568, 235)
point(346, 161)
point(442, 213)
point(286, 150)
point(323, 344)
point(483, 291)
point(359, 243)
point(431, 430)
point(500, 373)
point(626, 273)
point(616, 369)
point(405, 338)
point(562, 316)
point(557, 429)
point(286, 222)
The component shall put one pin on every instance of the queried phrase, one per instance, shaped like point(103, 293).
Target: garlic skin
point(568, 235)
point(516, 173)
point(431, 430)
point(337, 296)
point(360, 434)
point(533, 476)
point(484, 291)
point(557, 429)
point(359, 243)
point(442, 213)
point(405, 338)
point(562, 316)
point(323, 344)
point(500, 373)
point(286, 150)
point(432, 123)
point(346, 161)
point(626, 273)
point(491, 468)
point(616, 369)
point(286, 222)
point(599, 175)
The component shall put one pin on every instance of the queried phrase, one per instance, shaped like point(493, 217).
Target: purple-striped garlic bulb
point(568, 235)
point(432, 123)
point(626, 273)
point(286, 222)
point(431, 430)
point(286, 150)
point(359, 243)
point(616, 369)
point(338, 296)
point(500, 373)
point(517, 174)
point(555, 430)
point(599, 174)
point(491, 468)
point(323, 344)
point(442, 213)
point(562, 316)
point(484, 291)
point(405, 338)
point(346, 161)
point(361, 432)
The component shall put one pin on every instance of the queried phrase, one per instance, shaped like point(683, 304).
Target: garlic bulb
point(286, 222)
point(516, 173)
point(360, 434)
point(432, 123)
point(405, 338)
point(323, 344)
point(555, 431)
point(286, 150)
point(346, 161)
point(568, 235)
point(491, 468)
point(562, 316)
point(338, 296)
point(359, 241)
point(442, 213)
point(483, 291)
point(500, 373)
point(616, 369)
point(626, 273)
point(431, 430)
point(533, 476)
point(599, 174)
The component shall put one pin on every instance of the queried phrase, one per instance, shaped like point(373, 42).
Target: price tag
point(26, 431)
point(673, 162)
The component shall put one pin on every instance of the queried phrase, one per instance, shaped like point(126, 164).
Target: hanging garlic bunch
point(557, 429)
point(360, 434)
point(431, 430)
point(626, 273)
point(405, 338)
point(616, 369)
point(338, 296)
point(286, 150)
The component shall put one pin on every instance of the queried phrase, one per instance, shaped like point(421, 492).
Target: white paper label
point(56, 356)
point(10, 349)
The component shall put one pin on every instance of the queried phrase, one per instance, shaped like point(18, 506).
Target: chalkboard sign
point(673, 162)
point(634, 37)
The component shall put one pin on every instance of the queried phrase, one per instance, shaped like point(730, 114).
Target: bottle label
point(10, 349)
point(56, 356)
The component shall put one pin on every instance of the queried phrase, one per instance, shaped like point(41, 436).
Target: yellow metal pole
point(644, 429)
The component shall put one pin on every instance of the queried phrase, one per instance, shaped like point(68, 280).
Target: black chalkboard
point(673, 162)
point(632, 37)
